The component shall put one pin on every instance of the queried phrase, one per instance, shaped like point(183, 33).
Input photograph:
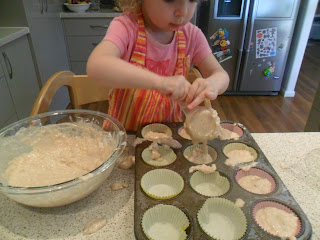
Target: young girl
point(145, 57)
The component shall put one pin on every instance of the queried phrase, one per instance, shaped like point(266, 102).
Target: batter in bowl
point(56, 153)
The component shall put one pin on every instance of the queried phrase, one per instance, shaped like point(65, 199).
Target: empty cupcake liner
point(233, 128)
point(182, 132)
point(156, 127)
point(221, 219)
point(209, 185)
point(162, 183)
point(168, 156)
point(272, 222)
point(259, 173)
point(188, 152)
point(163, 222)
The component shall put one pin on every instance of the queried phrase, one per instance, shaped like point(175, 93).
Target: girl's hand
point(200, 89)
point(176, 87)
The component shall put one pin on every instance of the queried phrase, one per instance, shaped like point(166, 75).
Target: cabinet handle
point(41, 3)
point(99, 26)
point(46, 5)
point(8, 64)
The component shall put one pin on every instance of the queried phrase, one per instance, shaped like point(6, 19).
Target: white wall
point(298, 46)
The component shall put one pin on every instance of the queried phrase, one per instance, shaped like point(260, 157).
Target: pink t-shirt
point(161, 58)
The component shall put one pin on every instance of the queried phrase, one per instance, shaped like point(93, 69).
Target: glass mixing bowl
point(72, 190)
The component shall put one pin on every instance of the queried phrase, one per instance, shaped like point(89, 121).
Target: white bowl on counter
point(78, 8)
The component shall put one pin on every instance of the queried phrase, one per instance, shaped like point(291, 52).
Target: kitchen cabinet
point(82, 36)
point(315, 29)
point(42, 17)
point(19, 87)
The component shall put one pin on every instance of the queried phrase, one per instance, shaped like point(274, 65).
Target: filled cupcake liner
point(182, 132)
point(165, 222)
point(240, 146)
point(256, 172)
point(278, 205)
point(162, 183)
point(221, 219)
point(211, 151)
point(156, 127)
point(233, 128)
point(209, 185)
point(168, 156)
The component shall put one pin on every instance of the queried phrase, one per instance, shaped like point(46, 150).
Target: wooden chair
point(81, 90)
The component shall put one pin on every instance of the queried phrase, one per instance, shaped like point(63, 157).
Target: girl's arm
point(106, 67)
point(215, 81)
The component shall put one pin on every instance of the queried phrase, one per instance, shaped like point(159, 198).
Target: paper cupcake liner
point(187, 153)
point(165, 222)
point(162, 183)
point(233, 128)
point(277, 205)
point(156, 127)
point(168, 156)
point(221, 219)
point(209, 185)
point(182, 132)
point(256, 172)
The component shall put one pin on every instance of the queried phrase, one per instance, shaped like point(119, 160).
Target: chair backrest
point(193, 74)
point(81, 91)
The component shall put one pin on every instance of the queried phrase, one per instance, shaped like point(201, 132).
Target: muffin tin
point(190, 201)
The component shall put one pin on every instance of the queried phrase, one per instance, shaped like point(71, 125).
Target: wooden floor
point(276, 113)
point(271, 113)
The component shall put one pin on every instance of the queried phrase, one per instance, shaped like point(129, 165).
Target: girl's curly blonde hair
point(131, 6)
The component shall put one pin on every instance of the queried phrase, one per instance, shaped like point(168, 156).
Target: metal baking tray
point(190, 201)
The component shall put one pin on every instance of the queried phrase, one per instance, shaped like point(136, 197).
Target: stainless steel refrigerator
point(251, 40)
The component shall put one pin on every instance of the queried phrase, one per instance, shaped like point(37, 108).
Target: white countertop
point(298, 151)
point(8, 34)
point(102, 13)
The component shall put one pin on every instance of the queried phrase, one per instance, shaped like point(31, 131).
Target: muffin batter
point(255, 184)
point(203, 168)
point(226, 134)
point(56, 153)
point(238, 156)
point(202, 124)
point(151, 136)
point(94, 225)
point(277, 222)
point(200, 155)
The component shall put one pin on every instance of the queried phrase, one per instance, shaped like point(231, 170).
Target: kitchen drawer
point(6, 103)
point(81, 47)
point(86, 26)
point(79, 68)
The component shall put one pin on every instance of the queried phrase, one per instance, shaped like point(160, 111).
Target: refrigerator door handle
point(241, 42)
point(251, 26)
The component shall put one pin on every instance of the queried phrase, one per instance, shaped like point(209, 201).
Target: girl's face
point(167, 15)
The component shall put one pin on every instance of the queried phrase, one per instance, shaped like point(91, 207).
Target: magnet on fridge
point(281, 46)
point(251, 45)
point(276, 77)
point(269, 63)
point(268, 71)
